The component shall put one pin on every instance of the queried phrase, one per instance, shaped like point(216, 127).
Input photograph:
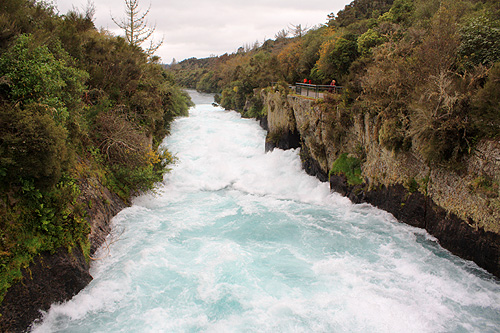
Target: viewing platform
point(315, 91)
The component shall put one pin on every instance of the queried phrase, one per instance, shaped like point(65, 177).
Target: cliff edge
point(459, 206)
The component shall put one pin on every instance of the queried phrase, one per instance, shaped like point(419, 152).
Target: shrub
point(34, 75)
point(486, 105)
point(45, 221)
point(392, 135)
point(401, 12)
point(412, 185)
point(480, 42)
point(32, 144)
point(256, 109)
point(348, 166)
point(368, 40)
point(119, 139)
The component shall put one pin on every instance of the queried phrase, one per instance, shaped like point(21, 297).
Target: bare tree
point(136, 26)
point(297, 30)
point(282, 34)
point(89, 10)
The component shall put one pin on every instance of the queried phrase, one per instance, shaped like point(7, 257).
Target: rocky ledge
point(459, 208)
point(418, 210)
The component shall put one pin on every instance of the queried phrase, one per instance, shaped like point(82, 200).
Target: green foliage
point(348, 166)
point(486, 105)
point(190, 71)
point(422, 69)
point(32, 74)
point(256, 109)
point(45, 221)
point(128, 180)
point(208, 83)
point(486, 186)
point(424, 11)
point(359, 10)
point(480, 41)
point(443, 142)
point(336, 56)
point(32, 145)
point(440, 121)
point(368, 40)
point(309, 51)
point(343, 54)
point(176, 100)
point(24, 17)
point(400, 12)
point(412, 185)
point(234, 98)
point(75, 103)
point(392, 135)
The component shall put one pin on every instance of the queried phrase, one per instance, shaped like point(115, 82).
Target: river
point(239, 240)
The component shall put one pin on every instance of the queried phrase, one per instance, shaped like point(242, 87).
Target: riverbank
point(55, 277)
point(456, 207)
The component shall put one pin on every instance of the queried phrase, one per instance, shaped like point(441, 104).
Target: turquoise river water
point(239, 240)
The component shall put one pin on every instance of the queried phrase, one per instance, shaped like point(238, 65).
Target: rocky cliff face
point(56, 277)
point(460, 207)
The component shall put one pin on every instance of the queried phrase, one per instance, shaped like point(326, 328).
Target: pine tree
point(136, 26)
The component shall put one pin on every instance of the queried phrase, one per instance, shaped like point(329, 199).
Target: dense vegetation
point(427, 71)
point(75, 103)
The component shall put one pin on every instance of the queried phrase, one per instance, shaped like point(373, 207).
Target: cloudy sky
point(201, 28)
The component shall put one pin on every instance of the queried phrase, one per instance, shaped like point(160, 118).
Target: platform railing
point(312, 90)
point(315, 90)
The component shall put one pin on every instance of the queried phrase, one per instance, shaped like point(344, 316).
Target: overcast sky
point(201, 28)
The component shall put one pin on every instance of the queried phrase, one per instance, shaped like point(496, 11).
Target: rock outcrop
point(457, 206)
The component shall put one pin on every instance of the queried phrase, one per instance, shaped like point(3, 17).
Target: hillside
point(82, 113)
point(416, 128)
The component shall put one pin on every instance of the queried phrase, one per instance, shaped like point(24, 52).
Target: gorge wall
point(458, 207)
point(57, 277)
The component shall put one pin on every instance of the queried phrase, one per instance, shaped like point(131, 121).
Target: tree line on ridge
point(427, 70)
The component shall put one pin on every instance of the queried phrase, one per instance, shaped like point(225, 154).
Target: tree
point(136, 27)
point(297, 30)
point(282, 34)
point(368, 40)
point(336, 56)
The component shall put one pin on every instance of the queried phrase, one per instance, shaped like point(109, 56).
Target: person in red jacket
point(332, 86)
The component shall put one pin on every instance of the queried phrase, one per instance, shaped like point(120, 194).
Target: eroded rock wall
point(459, 207)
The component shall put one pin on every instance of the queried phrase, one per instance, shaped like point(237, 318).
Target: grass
point(348, 166)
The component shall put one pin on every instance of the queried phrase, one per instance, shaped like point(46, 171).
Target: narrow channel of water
point(239, 240)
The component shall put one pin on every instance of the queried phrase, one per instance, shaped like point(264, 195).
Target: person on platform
point(332, 86)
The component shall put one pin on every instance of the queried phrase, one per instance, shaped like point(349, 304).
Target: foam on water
point(237, 240)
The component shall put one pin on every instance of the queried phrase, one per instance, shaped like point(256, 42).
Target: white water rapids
point(239, 240)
